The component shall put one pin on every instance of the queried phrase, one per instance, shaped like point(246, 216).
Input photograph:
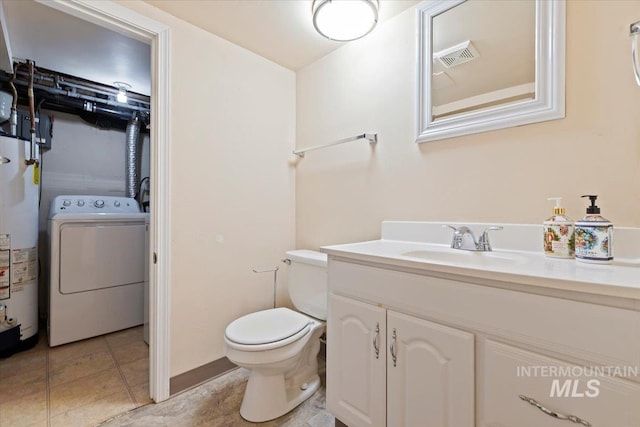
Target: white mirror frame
point(549, 85)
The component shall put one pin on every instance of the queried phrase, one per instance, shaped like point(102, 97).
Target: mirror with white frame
point(486, 65)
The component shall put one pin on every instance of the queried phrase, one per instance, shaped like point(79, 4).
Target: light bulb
point(122, 95)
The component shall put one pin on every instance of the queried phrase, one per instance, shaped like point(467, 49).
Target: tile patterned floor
point(78, 384)
point(85, 383)
point(216, 403)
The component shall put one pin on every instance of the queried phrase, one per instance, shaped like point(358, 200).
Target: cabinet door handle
point(393, 349)
point(376, 341)
point(553, 414)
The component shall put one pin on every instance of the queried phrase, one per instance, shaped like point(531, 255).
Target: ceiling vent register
point(457, 55)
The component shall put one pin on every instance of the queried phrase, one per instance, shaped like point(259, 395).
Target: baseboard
point(197, 376)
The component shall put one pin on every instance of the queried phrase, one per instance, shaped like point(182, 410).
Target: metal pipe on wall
point(13, 119)
point(69, 94)
point(58, 81)
point(75, 104)
point(32, 114)
point(55, 83)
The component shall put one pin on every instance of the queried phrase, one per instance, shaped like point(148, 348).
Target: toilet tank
point(308, 282)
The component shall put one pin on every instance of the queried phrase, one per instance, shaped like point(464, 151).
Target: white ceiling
point(279, 30)
point(63, 43)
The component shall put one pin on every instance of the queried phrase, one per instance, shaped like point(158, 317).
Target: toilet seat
point(267, 329)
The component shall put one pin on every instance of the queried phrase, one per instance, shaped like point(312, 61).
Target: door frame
point(108, 14)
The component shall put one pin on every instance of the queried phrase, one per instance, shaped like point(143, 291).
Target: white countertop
point(512, 259)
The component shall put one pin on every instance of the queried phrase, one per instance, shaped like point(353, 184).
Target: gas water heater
point(19, 194)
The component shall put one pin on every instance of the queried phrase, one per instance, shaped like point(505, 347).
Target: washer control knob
point(99, 203)
point(81, 203)
point(66, 203)
point(116, 204)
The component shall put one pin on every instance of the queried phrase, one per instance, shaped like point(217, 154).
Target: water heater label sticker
point(23, 267)
point(24, 255)
point(4, 274)
point(5, 242)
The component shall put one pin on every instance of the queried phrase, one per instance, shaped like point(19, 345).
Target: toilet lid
point(266, 326)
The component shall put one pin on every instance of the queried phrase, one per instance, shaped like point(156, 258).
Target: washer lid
point(266, 326)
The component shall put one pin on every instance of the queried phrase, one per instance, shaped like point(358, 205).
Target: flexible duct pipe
point(132, 148)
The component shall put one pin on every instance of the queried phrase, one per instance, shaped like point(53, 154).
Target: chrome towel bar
point(371, 137)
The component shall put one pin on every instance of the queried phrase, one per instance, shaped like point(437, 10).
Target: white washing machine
point(97, 266)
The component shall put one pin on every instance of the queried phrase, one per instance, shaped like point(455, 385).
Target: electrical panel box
point(44, 129)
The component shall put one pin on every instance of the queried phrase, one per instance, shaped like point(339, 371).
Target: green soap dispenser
point(558, 233)
point(594, 236)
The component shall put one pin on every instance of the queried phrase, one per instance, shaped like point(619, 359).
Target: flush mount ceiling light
point(122, 91)
point(344, 20)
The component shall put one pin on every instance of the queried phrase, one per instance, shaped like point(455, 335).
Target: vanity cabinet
point(393, 369)
point(466, 352)
point(356, 341)
point(429, 373)
point(508, 372)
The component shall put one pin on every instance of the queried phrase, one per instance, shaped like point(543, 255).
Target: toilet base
point(256, 407)
point(273, 391)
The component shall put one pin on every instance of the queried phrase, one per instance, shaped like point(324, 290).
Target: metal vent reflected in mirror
point(456, 55)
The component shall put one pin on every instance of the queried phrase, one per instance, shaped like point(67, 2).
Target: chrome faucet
point(464, 239)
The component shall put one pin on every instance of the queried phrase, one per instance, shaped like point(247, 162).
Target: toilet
point(280, 346)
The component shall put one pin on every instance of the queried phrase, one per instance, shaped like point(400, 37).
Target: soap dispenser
point(594, 236)
point(558, 233)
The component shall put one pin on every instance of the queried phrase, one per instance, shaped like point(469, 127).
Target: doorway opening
point(126, 22)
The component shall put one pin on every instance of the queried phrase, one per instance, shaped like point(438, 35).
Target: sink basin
point(468, 258)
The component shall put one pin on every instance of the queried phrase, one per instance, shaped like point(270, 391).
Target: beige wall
point(232, 129)
point(344, 192)
point(235, 117)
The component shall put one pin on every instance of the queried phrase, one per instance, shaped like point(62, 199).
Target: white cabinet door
point(355, 370)
point(595, 397)
point(430, 374)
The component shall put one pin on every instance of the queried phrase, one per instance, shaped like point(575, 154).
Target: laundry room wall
point(84, 159)
point(231, 185)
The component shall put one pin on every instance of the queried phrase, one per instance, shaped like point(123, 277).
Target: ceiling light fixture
point(122, 91)
point(344, 20)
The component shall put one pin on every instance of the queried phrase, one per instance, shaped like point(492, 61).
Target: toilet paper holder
point(273, 270)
